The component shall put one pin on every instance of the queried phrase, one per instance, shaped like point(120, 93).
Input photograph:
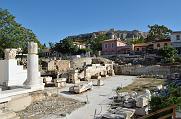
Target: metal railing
point(167, 115)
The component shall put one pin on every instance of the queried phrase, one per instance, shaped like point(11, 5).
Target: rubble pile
point(52, 105)
point(131, 104)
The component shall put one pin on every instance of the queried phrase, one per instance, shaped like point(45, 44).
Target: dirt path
point(98, 97)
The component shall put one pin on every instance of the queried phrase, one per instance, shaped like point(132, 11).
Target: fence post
point(174, 112)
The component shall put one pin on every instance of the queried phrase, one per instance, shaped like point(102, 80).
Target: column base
point(35, 87)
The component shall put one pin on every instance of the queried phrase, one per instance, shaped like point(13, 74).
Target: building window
point(105, 45)
point(158, 45)
point(112, 45)
point(137, 49)
point(165, 44)
point(177, 37)
point(109, 45)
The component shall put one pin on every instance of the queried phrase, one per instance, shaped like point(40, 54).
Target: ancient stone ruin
point(14, 79)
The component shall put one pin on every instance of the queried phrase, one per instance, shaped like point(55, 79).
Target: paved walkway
point(98, 97)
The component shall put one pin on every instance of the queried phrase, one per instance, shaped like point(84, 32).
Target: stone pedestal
point(111, 72)
point(142, 111)
point(11, 74)
point(10, 53)
point(73, 77)
point(142, 102)
point(100, 83)
point(34, 80)
point(61, 82)
point(99, 53)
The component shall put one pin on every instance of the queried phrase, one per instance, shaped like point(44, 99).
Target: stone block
point(98, 77)
point(127, 104)
point(128, 113)
point(19, 102)
point(60, 80)
point(159, 87)
point(10, 53)
point(130, 102)
point(100, 83)
point(133, 94)
point(47, 80)
point(142, 101)
point(77, 81)
point(141, 111)
point(60, 84)
point(147, 94)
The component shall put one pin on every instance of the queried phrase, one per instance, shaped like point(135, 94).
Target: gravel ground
point(70, 106)
point(51, 107)
point(98, 97)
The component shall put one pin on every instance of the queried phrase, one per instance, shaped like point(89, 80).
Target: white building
point(176, 40)
point(80, 45)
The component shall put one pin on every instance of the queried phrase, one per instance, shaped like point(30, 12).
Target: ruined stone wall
point(175, 69)
point(62, 65)
point(96, 69)
point(79, 63)
point(58, 65)
point(51, 66)
point(142, 70)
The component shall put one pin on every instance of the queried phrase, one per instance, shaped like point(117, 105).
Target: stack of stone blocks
point(134, 101)
point(95, 71)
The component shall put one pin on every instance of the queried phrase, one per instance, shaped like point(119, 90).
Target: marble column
point(33, 75)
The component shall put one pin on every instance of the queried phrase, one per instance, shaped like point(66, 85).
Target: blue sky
point(52, 20)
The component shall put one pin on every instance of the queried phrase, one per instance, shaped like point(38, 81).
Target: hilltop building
point(151, 47)
point(176, 40)
point(115, 46)
point(80, 45)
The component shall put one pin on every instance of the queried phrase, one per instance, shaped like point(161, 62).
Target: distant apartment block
point(176, 40)
point(151, 46)
point(115, 46)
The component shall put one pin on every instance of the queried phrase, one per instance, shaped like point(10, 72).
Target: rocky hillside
point(126, 35)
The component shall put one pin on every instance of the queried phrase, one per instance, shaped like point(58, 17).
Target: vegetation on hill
point(171, 96)
point(67, 46)
point(13, 34)
point(95, 43)
point(136, 41)
point(158, 32)
point(168, 53)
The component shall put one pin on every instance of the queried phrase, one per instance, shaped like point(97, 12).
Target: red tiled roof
point(164, 40)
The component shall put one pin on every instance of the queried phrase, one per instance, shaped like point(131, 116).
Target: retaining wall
point(146, 70)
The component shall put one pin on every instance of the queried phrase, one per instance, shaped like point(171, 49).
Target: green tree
point(84, 51)
point(51, 45)
point(168, 53)
point(13, 34)
point(158, 32)
point(173, 97)
point(139, 40)
point(66, 46)
point(95, 43)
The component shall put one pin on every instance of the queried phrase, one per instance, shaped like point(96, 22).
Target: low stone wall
point(175, 69)
point(146, 70)
point(79, 63)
